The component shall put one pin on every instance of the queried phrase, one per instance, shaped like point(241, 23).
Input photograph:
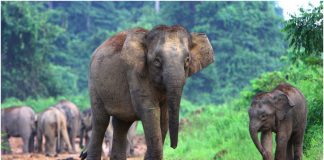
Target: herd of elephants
point(139, 74)
point(60, 124)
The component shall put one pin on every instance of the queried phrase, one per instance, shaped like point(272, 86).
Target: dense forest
point(46, 46)
point(46, 49)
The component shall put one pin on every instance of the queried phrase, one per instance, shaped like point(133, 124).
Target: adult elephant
point(52, 125)
point(139, 75)
point(284, 112)
point(72, 114)
point(19, 121)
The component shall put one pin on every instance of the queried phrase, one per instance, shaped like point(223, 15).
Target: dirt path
point(16, 145)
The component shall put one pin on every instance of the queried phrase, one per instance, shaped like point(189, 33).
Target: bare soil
point(16, 146)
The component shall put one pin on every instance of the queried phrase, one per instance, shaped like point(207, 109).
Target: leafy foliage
point(68, 32)
point(305, 35)
point(27, 39)
point(40, 104)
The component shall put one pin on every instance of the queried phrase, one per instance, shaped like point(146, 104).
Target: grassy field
point(221, 132)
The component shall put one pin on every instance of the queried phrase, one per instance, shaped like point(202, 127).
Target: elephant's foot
point(50, 155)
point(71, 151)
point(83, 155)
point(130, 153)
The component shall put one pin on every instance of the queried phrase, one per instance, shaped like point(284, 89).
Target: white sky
point(292, 6)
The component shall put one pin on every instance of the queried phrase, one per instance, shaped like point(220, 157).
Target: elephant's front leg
point(100, 121)
point(281, 148)
point(266, 141)
point(152, 130)
point(118, 151)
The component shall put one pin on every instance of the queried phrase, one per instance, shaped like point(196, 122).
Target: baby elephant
point(52, 124)
point(19, 122)
point(283, 111)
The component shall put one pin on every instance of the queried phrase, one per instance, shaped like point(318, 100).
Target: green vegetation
point(221, 132)
point(46, 48)
point(40, 104)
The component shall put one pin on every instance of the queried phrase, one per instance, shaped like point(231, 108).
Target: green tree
point(305, 35)
point(27, 40)
point(247, 41)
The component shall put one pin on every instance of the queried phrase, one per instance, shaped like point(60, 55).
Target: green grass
point(216, 133)
point(221, 132)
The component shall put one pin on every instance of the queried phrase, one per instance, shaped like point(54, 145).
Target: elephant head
point(266, 111)
point(169, 54)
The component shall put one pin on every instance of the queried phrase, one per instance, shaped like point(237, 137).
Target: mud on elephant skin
point(52, 125)
point(283, 111)
point(73, 118)
point(139, 75)
point(19, 121)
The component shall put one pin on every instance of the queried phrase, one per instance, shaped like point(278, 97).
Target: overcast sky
point(292, 6)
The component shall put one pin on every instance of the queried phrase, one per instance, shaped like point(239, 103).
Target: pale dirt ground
point(16, 147)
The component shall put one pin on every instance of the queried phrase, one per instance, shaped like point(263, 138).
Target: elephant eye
point(186, 62)
point(157, 62)
point(263, 116)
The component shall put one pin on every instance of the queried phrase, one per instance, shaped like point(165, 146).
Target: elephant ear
point(134, 50)
point(283, 103)
point(202, 53)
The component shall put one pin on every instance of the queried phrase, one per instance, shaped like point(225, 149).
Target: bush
point(40, 104)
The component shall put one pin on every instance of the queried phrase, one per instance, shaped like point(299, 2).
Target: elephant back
point(18, 119)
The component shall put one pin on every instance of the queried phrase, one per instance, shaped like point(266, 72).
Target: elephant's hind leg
point(26, 142)
point(298, 146)
point(31, 146)
point(100, 121)
point(119, 144)
point(290, 151)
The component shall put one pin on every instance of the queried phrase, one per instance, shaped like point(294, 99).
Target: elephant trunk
point(174, 91)
point(254, 135)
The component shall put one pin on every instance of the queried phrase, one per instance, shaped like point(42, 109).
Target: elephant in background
point(283, 111)
point(72, 115)
point(139, 75)
point(86, 126)
point(130, 136)
point(52, 124)
point(19, 121)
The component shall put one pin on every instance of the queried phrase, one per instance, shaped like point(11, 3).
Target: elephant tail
point(58, 130)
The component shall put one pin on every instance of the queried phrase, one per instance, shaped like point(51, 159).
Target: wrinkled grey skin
point(52, 125)
point(130, 136)
point(283, 111)
point(19, 122)
point(72, 115)
point(139, 75)
point(86, 126)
